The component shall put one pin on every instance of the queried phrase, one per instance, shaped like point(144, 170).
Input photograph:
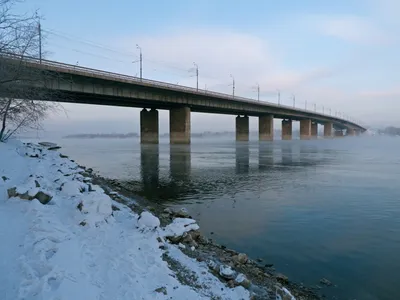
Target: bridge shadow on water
point(194, 170)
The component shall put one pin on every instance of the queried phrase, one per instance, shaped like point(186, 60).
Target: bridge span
point(91, 86)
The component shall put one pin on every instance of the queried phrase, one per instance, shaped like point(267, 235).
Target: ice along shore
point(67, 233)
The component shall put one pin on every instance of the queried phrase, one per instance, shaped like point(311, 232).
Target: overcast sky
point(342, 54)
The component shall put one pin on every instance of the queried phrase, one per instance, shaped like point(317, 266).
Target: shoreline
point(263, 277)
point(92, 201)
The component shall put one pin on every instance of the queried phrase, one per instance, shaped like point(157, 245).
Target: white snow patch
point(146, 219)
point(46, 254)
point(179, 226)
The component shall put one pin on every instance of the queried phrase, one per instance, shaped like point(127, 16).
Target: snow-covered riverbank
point(62, 237)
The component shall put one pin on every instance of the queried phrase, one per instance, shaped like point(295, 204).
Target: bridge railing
point(75, 69)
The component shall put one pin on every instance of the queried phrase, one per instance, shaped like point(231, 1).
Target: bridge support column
point(328, 128)
point(338, 132)
point(350, 132)
point(149, 126)
point(179, 125)
point(305, 129)
point(266, 128)
point(286, 129)
point(314, 130)
point(242, 128)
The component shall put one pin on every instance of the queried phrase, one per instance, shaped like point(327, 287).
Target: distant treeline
point(391, 130)
point(101, 135)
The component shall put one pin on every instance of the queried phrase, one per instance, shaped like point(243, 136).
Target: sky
point(341, 55)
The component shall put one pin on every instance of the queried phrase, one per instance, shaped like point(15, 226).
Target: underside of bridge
point(180, 124)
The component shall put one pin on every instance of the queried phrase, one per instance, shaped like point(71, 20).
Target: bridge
point(91, 86)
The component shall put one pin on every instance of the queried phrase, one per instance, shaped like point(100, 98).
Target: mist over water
point(314, 209)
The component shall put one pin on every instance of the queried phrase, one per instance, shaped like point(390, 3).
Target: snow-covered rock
point(226, 272)
point(148, 220)
point(179, 226)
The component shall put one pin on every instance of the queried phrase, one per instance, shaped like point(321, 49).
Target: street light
point(197, 76)
point(233, 86)
point(279, 97)
point(294, 100)
point(141, 61)
point(258, 91)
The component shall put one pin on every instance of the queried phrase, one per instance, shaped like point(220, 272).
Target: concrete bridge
point(91, 86)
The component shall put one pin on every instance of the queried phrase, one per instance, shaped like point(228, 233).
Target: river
point(315, 209)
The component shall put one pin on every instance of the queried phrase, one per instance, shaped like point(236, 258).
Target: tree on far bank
point(24, 99)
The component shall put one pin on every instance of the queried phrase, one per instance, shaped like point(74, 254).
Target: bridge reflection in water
point(187, 172)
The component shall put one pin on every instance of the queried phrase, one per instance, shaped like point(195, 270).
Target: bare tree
point(24, 99)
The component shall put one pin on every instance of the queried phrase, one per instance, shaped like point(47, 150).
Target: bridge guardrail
point(132, 79)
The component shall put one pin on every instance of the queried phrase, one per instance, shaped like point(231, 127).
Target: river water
point(315, 209)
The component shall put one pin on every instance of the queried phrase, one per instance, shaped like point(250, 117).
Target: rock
point(63, 156)
point(43, 197)
point(231, 284)
point(162, 290)
point(147, 219)
point(213, 265)
point(174, 239)
point(226, 272)
point(47, 144)
point(80, 206)
point(195, 234)
point(114, 208)
point(182, 213)
point(168, 211)
point(242, 258)
point(54, 148)
point(284, 294)
point(25, 196)
point(37, 184)
point(325, 282)
point(282, 278)
point(259, 260)
point(182, 246)
point(83, 223)
point(202, 240)
point(5, 178)
point(12, 192)
point(242, 280)
point(89, 170)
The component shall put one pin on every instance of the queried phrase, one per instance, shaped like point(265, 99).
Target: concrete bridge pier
point(314, 130)
point(350, 132)
point(266, 128)
point(242, 128)
point(179, 125)
point(305, 129)
point(338, 132)
point(149, 126)
point(286, 129)
point(328, 128)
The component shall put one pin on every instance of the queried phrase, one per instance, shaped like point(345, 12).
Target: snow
point(76, 247)
point(179, 226)
point(146, 219)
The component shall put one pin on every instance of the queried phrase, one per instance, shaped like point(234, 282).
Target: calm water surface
point(323, 208)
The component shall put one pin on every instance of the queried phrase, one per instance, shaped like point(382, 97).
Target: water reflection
point(265, 156)
point(149, 166)
point(287, 154)
point(242, 158)
point(180, 162)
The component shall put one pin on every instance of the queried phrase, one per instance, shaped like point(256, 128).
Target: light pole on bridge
point(294, 100)
point(197, 76)
point(279, 97)
point(141, 61)
point(233, 86)
point(258, 91)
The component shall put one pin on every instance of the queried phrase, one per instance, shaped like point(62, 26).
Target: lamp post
point(141, 61)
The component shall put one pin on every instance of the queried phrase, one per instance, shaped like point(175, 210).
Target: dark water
point(322, 208)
